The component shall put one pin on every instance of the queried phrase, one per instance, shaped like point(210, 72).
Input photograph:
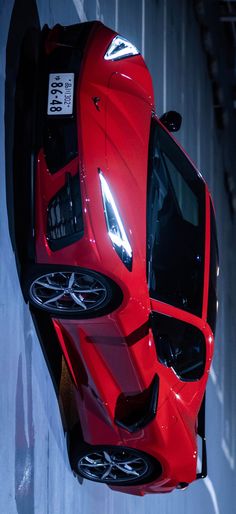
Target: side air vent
point(135, 411)
point(65, 220)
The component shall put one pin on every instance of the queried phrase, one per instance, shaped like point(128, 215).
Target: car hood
point(127, 129)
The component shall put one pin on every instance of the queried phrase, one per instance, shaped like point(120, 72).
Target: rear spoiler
point(201, 433)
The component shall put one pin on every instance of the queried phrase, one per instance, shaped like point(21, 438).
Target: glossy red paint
point(116, 353)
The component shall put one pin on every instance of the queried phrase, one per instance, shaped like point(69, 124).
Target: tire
point(106, 464)
point(70, 292)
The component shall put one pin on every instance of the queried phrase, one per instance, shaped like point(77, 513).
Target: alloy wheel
point(68, 291)
point(113, 465)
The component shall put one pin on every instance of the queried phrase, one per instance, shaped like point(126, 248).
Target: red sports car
point(125, 263)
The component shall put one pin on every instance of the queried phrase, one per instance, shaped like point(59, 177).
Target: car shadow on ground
point(22, 55)
point(22, 65)
point(21, 146)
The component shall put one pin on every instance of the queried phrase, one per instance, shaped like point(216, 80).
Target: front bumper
point(63, 236)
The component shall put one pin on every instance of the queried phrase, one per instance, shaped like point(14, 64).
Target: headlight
point(115, 226)
point(119, 49)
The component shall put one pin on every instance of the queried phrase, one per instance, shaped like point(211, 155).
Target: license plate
point(60, 94)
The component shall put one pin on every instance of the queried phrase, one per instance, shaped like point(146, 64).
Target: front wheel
point(115, 465)
point(71, 292)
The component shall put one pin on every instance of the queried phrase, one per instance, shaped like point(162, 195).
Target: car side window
point(180, 346)
point(185, 197)
point(175, 225)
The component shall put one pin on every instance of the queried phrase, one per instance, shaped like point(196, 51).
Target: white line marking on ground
point(210, 487)
point(143, 27)
point(225, 448)
point(220, 395)
point(99, 15)
point(97, 10)
point(116, 15)
point(227, 453)
point(219, 391)
point(213, 375)
point(164, 52)
point(79, 5)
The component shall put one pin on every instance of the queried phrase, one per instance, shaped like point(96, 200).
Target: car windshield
point(214, 266)
point(175, 225)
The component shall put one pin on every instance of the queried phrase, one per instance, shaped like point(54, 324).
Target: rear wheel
point(115, 465)
point(71, 292)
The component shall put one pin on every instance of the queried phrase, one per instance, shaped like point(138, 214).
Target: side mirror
point(171, 120)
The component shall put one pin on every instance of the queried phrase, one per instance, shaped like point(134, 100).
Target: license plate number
point(60, 94)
